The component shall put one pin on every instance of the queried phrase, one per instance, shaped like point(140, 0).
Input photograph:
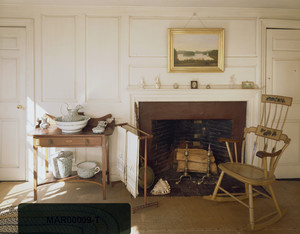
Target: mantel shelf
point(170, 95)
point(220, 89)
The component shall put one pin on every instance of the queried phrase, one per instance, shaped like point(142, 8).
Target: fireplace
point(201, 123)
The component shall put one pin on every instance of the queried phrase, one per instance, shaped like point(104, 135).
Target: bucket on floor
point(62, 164)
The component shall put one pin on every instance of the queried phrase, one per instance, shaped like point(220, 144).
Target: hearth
point(199, 123)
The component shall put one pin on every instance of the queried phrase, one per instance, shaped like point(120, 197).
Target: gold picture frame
point(195, 50)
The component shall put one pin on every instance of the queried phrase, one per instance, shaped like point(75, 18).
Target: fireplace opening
point(199, 123)
point(170, 135)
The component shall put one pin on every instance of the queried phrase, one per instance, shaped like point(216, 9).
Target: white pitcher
point(71, 115)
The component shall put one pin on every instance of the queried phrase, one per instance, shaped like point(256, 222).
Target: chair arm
point(222, 139)
point(262, 154)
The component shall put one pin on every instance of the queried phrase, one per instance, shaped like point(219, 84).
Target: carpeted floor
point(9, 220)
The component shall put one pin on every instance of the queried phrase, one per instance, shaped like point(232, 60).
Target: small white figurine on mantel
point(142, 83)
point(157, 83)
point(232, 81)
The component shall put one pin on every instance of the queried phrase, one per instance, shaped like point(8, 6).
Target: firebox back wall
point(171, 134)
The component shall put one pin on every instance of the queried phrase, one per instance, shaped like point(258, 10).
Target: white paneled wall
point(151, 47)
point(96, 56)
point(58, 59)
point(147, 58)
point(153, 41)
point(102, 59)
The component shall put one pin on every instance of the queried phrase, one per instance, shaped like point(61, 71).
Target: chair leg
point(217, 186)
point(226, 196)
point(274, 200)
point(246, 189)
point(251, 207)
point(267, 219)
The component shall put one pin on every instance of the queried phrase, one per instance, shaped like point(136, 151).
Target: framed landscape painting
point(196, 50)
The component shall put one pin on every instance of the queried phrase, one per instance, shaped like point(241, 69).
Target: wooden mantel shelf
point(215, 94)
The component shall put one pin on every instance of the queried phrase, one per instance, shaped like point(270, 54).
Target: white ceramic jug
point(100, 127)
point(44, 124)
point(71, 115)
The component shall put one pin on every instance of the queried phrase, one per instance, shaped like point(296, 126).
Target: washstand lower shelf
point(96, 179)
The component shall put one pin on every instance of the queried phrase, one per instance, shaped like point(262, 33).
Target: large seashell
point(162, 187)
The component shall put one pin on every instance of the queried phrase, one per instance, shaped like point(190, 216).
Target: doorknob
point(19, 106)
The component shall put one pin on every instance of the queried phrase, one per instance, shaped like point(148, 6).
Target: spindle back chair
point(269, 144)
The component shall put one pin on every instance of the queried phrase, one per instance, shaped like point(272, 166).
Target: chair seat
point(246, 173)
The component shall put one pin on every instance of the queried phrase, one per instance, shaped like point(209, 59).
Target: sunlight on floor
point(56, 186)
point(134, 230)
point(16, 192)
point(54, 190)
point(19, 188)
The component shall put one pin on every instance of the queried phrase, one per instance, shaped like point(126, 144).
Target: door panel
point(9, 130)
point(283, 78)
point(12, 94)
point(8, 79)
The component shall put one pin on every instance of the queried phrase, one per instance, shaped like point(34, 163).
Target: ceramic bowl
point(71, 127)
point(87, 169)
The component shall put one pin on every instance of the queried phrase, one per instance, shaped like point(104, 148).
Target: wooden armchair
point(269, 145)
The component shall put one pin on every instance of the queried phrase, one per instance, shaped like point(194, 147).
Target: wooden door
point(12, 104)
point(283, 78)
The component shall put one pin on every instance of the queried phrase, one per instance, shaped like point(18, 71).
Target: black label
point(74, 218)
